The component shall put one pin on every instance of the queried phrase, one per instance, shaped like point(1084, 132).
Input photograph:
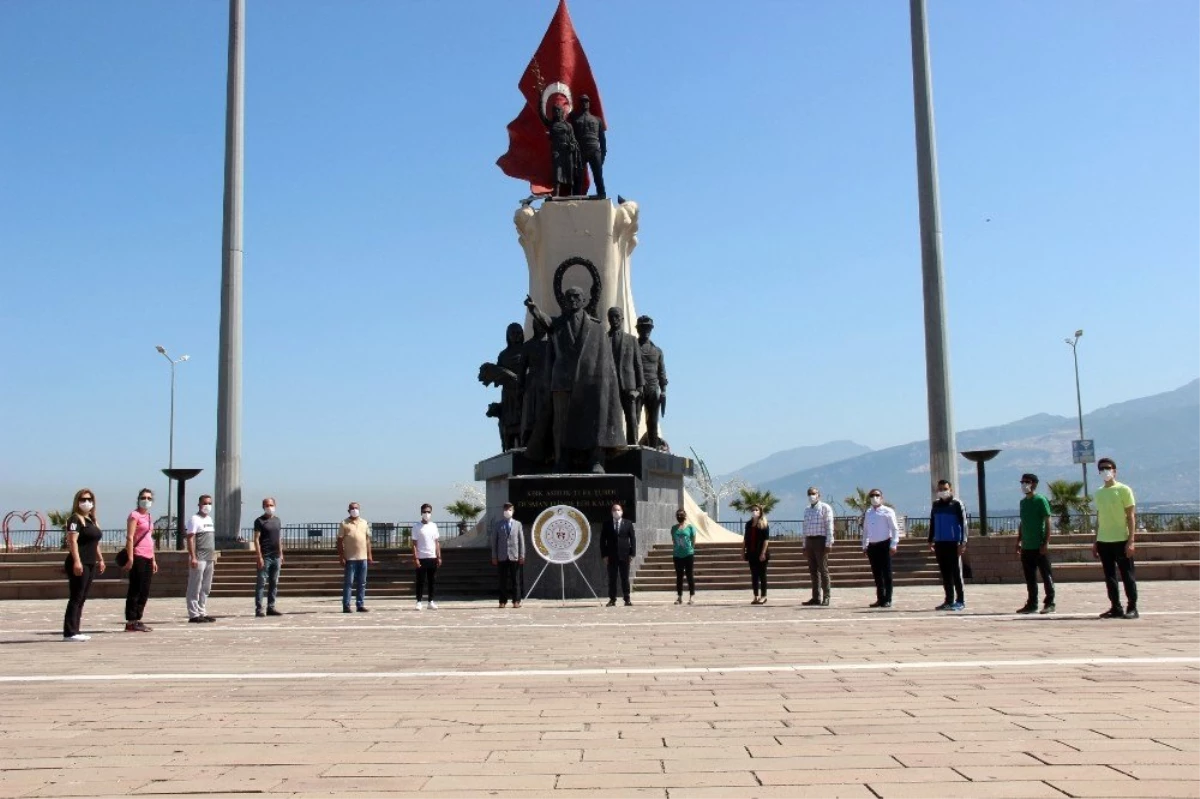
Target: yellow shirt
point(1111, 503)
point(354, 537)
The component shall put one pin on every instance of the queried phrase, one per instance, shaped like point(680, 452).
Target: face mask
point(1026, 488)
point(617, 514)
point(508, 514)
point(876, 501)
point(680, 519)
point(426, 517)
point(269, 510)
point(813, 499)
point(756, 513)
point(86, 506)
point(354, 513)
point(145, 504)
point(1107, 474)
point(944, 495)
point(206, 509)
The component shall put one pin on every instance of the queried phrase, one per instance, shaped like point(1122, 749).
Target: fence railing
point(849, 527)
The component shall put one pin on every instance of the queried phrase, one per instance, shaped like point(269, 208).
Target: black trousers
point(140, 572)
point(618, 566)
point(1112, 558)
point(426, 571)
point(79, 586)
point(950, 565)
point(1032, 562)
point(758, 575)
point(880, 556)
point(590, 158)
point(512, 580)
point(685, 566)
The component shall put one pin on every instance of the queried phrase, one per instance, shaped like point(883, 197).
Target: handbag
point(122, 558)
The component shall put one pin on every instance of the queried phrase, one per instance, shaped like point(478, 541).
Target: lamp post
point(1074, 345)
point(171, 438)
point(979, 457)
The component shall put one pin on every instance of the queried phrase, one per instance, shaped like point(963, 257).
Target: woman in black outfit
point(83, 561)
point(754, 551)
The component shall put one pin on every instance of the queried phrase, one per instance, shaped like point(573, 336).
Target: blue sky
point(769, 144)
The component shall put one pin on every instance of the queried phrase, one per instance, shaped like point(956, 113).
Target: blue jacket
point(948, 522)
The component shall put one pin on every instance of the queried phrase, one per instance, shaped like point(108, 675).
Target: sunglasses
point(876, 496)
point(87, 499)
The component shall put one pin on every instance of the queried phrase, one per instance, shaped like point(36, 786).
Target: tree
point(859, 501)
point(58, 518)
point(467, 507)
point(748, 497)
point(712, 494)
point(1066, 497)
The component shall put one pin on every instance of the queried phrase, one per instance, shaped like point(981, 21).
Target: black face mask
point(679, 519)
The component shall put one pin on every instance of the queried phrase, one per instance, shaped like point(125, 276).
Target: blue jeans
point(355, 574)
point(268, 576)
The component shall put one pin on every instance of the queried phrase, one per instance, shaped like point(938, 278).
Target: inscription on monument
point(592, 495)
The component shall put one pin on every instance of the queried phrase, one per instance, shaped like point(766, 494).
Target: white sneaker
point(432, 605)
point(79, 638)
point(420, 605)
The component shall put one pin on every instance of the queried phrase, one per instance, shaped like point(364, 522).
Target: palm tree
point(859, 501)
point(465, 511)
point(1066, 498)
point(748, 497)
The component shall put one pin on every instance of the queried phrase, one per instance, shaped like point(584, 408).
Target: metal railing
point(849, 527)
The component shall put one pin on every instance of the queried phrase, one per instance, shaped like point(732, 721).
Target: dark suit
point(627, 357)
point(618, 543)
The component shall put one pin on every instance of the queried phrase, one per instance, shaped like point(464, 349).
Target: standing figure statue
point(564, 152)
point(536, 413)
point(583, 384)
point(593, 147)
point(654, 384)
point(506, 373)
point(627, 357)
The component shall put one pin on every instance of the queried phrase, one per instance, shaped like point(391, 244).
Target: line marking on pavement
point(599, 672)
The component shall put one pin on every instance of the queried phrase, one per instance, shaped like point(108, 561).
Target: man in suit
point(506, 539)
point(627, 357)
point(618, 543)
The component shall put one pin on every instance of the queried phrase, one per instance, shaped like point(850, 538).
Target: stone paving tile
point(964, 790)
point(824, 791)
point(1140, 789)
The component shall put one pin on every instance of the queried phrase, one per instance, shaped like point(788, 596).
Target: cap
point(645, 321)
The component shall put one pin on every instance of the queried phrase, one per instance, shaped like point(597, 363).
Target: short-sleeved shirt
point(268, 529)
point(1035, 510)
point(355, 536)
point(683, 540)
point(1111, 502)
point(88, 536)
point(206, 536)
point(143, 534)
point(426, 536)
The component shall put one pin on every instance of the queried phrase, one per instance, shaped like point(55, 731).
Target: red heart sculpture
point(24, 516)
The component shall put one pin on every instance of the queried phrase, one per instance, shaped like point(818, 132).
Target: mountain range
point(1155, 441)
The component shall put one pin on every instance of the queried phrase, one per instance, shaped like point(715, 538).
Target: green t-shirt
point(1035, 510)
point(1111, 502)
point(684, 540)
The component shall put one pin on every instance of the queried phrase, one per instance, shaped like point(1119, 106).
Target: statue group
point(577, 144)
point(570, 393)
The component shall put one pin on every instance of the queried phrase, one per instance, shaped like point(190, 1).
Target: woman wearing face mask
point(755, 543)
point(880, 537)
point(139, 561)
point(83, 561)
point(683, 541)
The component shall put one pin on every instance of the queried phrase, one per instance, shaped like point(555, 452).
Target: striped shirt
point(818, 521)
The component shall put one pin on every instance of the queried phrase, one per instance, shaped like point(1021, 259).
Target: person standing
point(1116, 528)
point(427, 555)
point(83, 560)
point(755, 551)
point(618, 543)
point(948, 541)
point(506, 539)
point(1033, 544)
point(683, 553)
point(139, 561)
point(202, 556)
point(268, 545)
point(880, 537)
point(354, 553)
point(817, 541)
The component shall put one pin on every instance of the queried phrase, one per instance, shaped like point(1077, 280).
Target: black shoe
point(273, 612)
point(207, 619)
point(1113, 613)
point(196, 620)
point(878, 603)
point(627, 603)
point(363, 608)
point(1131, 612)
point(1027, 608)
point(612, 603)
point(944, 606)
point(345, 608)
point(886, 605)
point(679, 599)
point(812, 602)
point(825, 601)
point(259, 614)
point(1048, 607)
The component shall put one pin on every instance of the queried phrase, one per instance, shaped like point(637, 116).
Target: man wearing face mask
point(354, 553)
point(818, 540)
point(618, 543)
point(948, 541)
point(880, 537)
point(506, 539)
point(268, 545)
point(202, 554)
point(1033, 544)
point(1116, 527)
point(427, 555)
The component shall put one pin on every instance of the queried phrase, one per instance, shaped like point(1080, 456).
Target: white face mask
point(269, 510)
point(876, 501)
point(426, 516)
point(1107, 474)
point(617, 514)
point(206, 509)
point(145, 504)
point(354, 513)
point(86, 506)
point(756, 513)
point(508, 514)
point(813, 499)
point(1026, 488)
point(944, 495)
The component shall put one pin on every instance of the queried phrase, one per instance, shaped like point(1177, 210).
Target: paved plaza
point(720, 699)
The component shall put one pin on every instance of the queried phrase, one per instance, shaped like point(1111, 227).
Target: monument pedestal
point(647, 483)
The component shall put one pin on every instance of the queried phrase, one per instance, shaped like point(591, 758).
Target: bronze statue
point(654, 385)
point(564, 152)
point(505, 372)
point(627, 357)
point(593, 146)
point(536, 413)
point(583, 384)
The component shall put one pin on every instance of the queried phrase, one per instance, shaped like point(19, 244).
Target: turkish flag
point(558, 74)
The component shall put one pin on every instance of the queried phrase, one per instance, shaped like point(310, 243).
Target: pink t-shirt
point(143, 538)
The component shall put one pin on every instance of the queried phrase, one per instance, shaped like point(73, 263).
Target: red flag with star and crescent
point(558, 74)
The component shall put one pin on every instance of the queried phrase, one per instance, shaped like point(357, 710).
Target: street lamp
point(1074, 344)
point(171, 439)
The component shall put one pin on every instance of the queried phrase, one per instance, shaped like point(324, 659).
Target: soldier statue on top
point(593, 147)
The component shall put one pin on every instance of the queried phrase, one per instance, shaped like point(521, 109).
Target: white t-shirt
point(426, 537)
